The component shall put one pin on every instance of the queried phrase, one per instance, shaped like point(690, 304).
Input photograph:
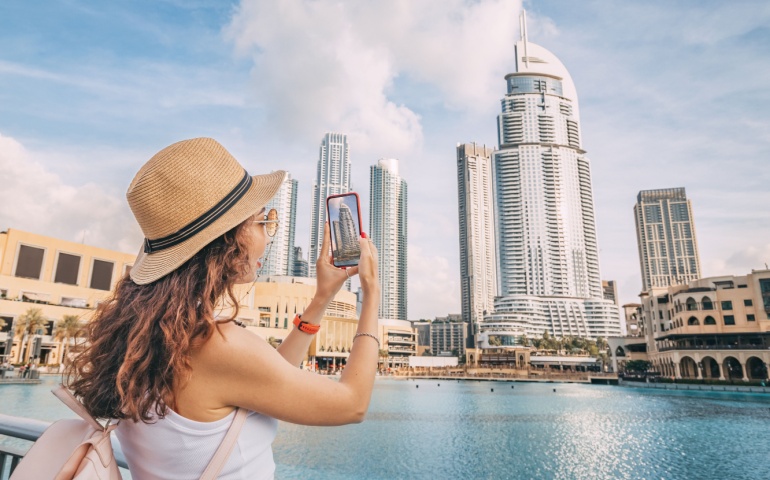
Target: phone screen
point(345, 225)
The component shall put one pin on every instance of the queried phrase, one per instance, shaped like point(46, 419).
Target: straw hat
point(186, 196)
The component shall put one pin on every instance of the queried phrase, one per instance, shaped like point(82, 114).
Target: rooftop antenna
point(523, 25)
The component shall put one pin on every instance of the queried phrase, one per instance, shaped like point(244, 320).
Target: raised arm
point(243, 370)
point(329, 281)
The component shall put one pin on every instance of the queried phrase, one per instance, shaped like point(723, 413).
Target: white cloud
point(38, 201)
point(321, 65)
point(432, 290)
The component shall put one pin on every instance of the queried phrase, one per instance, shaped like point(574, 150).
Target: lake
point(450, 429)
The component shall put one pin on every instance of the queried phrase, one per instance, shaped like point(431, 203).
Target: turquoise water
point(464, 430)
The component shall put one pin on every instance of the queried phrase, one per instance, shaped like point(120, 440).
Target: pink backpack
point(76, 449)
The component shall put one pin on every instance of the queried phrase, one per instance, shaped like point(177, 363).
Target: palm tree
point(383, 354)
point(27, 326)
point(67, 329)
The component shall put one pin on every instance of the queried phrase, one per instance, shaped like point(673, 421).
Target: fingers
point(352, 271)
point(325, 244)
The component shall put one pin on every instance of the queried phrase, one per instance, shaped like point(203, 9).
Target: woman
point(160, 360)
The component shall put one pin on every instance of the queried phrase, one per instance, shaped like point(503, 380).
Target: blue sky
point(671, 94)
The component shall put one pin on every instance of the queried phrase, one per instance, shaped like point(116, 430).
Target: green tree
point(29, 324)
point(602, 344)
point(638, 366)
point(68, 328)
point(273, 342)
point(495, 341)
point(383, 355)
point(524, 341)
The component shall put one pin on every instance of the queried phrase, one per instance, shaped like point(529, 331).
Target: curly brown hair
point(139, 342)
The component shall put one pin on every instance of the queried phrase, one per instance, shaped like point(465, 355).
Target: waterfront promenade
point(506, 375)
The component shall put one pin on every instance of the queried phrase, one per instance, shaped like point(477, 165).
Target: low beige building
point(710, 328)
point(67, 278)
point(58, 277)
point(399, 339)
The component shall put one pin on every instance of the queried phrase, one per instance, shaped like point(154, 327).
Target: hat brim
point(149, 267)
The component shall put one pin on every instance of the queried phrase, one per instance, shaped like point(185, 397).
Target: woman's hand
point(368, 269)
point(329, 278)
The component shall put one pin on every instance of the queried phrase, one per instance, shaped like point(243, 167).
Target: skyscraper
point(332, 177)
point(387, 217)
point(546, 234)
point(478, 261)
point(280, 258)
point(665, 232)
point(300, 264)
point(610, 291)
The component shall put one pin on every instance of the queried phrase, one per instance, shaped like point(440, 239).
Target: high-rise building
point(478, 261)
point(546, 233)
point(387, 217)
point(447, 336)
point(280, 256)
point(665, 232)
point(332, 178)
point(610, 291)
point(300, 264)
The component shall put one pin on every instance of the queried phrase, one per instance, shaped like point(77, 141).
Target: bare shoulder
point(238, 368)
point(230, 346)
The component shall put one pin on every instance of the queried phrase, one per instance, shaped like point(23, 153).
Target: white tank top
point(177, 448)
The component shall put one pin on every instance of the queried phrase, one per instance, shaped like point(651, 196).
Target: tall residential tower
point(478, 262)
point(387, 228)
point(332, 177)
point(546, 233)
point(280, 259)
point(665, 231)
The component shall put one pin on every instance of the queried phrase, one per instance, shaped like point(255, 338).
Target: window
point(727, 305)
point(748, 303)
point(67, 269)
point(764, 287)
point(101, 275)
point(73, 302)
point(30, 262)
point(8, 324)
point(729, 320)
point(707, 305)
point(750, 317)
point(709, 321)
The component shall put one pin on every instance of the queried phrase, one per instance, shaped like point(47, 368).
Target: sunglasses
point(270, 222)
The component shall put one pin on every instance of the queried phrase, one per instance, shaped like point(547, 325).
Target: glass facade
point(534, 84)
point(764, 287)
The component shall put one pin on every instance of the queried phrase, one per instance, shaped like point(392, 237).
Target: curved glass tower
point(547, 251)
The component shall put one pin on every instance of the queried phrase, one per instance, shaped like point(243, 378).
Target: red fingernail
point(363, 234)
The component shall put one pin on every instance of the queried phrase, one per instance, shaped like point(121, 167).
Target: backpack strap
point(226, 447)
point(69, 399)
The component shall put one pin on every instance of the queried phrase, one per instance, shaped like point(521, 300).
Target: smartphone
point(344, 212)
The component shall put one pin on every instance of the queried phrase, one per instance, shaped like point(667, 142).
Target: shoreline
point(589, 381)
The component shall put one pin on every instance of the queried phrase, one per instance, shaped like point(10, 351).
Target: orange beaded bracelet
point(302, 326)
